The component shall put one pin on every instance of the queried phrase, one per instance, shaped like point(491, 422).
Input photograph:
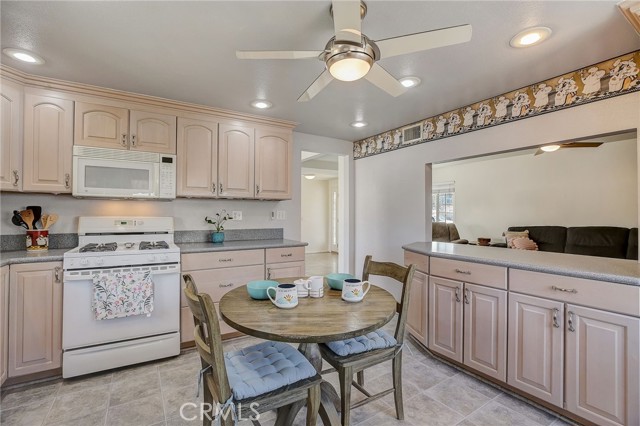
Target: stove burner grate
point(146, 245)
point(93, 247)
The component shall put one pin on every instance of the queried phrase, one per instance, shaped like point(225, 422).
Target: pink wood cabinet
point(418, 302)
point(35, 318)
point(11, 136)
point(273, 164)
point(4, 323)
point(197, 158)
point(236, 177)
point(445, 317)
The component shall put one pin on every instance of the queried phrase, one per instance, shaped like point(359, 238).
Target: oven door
point(101, 177)
point(81, 329)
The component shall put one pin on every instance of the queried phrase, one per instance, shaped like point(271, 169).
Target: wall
point(390, 202)
point(569, 187)
point(188, 213)
point(315, 215)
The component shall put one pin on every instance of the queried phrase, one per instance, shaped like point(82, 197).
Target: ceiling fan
point(555, 147)
point(351, 55)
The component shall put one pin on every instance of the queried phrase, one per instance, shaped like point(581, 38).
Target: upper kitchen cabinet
point(48, 142)
point(236, 162)
point(197, 158)
point(273, 164)
point(11, 136)
point(114, 127)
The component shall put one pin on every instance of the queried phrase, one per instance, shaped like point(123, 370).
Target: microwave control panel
point(167, 176)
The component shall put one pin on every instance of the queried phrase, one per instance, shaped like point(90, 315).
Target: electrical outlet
point(236, 215)
point(281, 215)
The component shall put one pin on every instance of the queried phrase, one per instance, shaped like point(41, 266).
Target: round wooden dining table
point(313, 321)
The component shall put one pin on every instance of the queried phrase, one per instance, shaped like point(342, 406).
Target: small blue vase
point(217, 237)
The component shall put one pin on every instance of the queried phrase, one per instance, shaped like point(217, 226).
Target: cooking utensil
point(53, 218)
point(37, 214)
point(27, 216)
point(44, 219)
point(18, 221)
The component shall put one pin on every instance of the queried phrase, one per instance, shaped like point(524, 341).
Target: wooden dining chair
point(353, 356)
point(258, 378)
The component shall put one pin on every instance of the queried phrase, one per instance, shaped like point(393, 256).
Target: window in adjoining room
point(443, 201)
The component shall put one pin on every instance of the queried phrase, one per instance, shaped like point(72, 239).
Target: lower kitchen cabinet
point(417, 315)
point(284, 262)
point(4, 323)
point(445, 317)
point(602, 366)
point(35, 318)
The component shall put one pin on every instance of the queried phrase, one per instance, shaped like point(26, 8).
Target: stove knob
point(84, 261)
point(99, 261)
point(152, 258)
point(164, 257)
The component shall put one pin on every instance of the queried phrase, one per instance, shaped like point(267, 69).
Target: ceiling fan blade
point(581, 145)
point(538, 152)
point(424, 41)
point(321, 82)
point(385, 81)
point(346, 20)
point(277, 54)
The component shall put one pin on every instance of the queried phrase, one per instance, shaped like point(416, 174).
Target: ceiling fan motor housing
point(336, 51)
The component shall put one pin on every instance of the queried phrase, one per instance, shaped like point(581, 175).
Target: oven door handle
point(88, 274)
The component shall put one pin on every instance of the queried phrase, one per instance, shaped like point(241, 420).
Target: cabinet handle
point(123, 141)
point(566, 290)
point(570, 321)
point(555, 317)
point(220, 184)
point(257, 189)
point(67, 180)
point(213, 187)
point(16, 178)
point(226, 260)
point(268, 273)
point(133, 140)
point(457, 294)
point(56, 274)
point(225, 285)
point(286, 255)
point(466, 296)
point(463, 272)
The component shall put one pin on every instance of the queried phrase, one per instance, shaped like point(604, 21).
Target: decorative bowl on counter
point(258, 289)
point(335, 280)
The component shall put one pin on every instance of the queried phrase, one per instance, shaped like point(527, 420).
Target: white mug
point(353, 289)
point(286, 296)
point(316, 286)
point(302, 286)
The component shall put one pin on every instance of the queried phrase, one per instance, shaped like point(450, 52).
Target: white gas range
point(110, 246)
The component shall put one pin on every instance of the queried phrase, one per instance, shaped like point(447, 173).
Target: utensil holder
point(37, 240)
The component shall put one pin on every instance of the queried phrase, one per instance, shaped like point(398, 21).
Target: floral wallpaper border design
point(614, 77)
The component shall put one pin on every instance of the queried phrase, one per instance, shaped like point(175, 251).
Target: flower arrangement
point(218, 220)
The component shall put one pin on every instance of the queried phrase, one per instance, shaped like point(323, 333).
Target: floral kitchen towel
point(122, 294)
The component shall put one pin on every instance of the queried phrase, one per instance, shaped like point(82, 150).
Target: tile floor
point(152, 394)
point(321, 263)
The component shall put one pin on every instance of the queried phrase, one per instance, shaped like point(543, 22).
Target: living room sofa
point(446, 232)
point(604, 241)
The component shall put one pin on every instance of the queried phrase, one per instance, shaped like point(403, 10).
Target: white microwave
point(114, 173)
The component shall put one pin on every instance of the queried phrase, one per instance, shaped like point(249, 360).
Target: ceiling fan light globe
point(550, 148)
point(349, 66)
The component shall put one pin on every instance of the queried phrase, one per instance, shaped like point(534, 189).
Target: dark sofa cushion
point(548, 238)
point(632, 246)
point(605, 241)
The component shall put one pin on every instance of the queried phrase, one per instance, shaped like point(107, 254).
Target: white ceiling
point(186, 51)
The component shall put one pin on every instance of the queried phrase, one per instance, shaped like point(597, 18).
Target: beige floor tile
point(457, 396)
point(95, 419)
point(135, 387)
point(421, 377)
point(496, 414)
point(436, 364)
point(186, 358)
point(76, 384)
point(80, 404)
point(26, 415)
point(539, 416)
point(24, 395)
point(175, 398)
point(477, 385)
point(423, 410)
point(134, 370)
point(141, 412)
point(386, 418)
point(178, 377)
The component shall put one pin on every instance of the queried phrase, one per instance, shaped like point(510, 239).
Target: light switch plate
point(236, 215)
point(281, 215)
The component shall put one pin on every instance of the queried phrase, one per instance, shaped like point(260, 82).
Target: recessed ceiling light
point(550, 148)
point(310, 177)
point(261, 104)
point(410, 81)
point(530, 37)
point(23, 55)
point(359, 124)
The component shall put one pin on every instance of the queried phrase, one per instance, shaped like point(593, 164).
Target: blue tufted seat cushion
point(256, 370)
point(378, 339)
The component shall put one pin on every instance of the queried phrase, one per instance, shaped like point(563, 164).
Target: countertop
point(619, 271)
point(55, 255)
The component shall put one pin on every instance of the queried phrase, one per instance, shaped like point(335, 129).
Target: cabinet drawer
point(216, 282)
point(287, 254)
point(598, 294)
point(476, 273)
point(420, 260)
point(221, 259)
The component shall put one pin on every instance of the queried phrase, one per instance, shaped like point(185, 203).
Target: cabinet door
point(418, 302)
point(236, 162)
point(273, 164)
point(4, 323)
point(285, 270)
point(536, 347)
point(603, 366)
point(48, 143)
point(102, 126)
point(197, 158)
point(485, 330)
point(35, 318)
point(445, 317)
point(152, 132)
point(10, 136)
